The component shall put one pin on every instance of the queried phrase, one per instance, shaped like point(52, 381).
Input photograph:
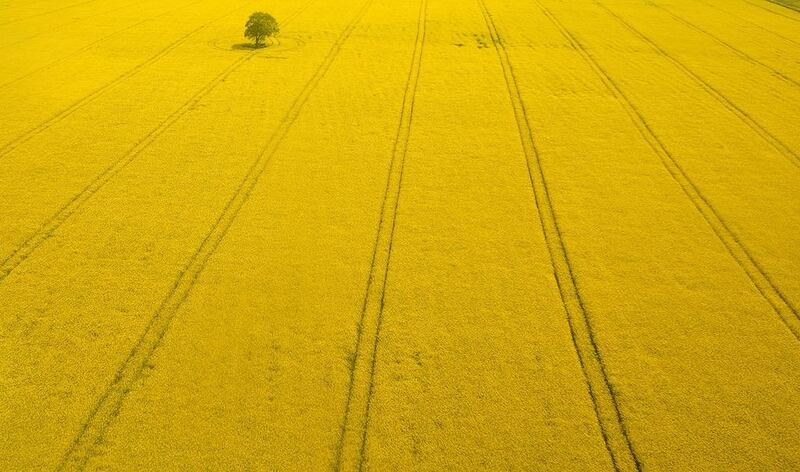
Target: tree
point(260, 25)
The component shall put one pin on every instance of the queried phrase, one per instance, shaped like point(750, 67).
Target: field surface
point(407, 235)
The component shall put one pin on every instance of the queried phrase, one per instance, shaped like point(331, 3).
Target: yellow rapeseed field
point(428, 235)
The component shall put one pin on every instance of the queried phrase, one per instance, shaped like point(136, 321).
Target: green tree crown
point(260, 25)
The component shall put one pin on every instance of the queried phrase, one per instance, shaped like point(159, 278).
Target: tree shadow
point(248, 46)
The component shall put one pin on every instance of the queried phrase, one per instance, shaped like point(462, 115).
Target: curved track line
point(51, 225)
point(74, 21)
point(19, 4)
point(351, 447)
point(94, 43)
point(35, 131)
point(108, 405)
point(746, 20)
point(776, 143)
point(11, 4)
point(757, 275)
point(785, 5)
point(36, 15)
point(775, 12)
point(729, 46)
point(609, 416)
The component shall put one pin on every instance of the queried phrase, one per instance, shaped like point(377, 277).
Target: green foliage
point(791, 4)
point(260, 25)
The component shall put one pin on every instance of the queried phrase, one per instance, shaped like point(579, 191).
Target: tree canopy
point(260, 25)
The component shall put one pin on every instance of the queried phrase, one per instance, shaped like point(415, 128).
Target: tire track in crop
point(22, 252)
point(775, 12)
point(351, 447)
point(15, 20)
point(747, 20)
point(51, 225)
point(64, 25)
point(729, 46)
point(59, 116)
point(601, 390)
point(784, 4)
point(755, 272)
point(94, 43)
point(8, 5)
point(776, 143)
point(109, 403)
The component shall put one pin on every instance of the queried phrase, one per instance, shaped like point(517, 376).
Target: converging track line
point(94, 43)
point(785, 5)
point(727, 45)
point(52, 224)
point(59, 116)
point(751, 22)
point(609, 417)
point(109, 403)
point(351, 448)
point(779, 146)
point(36, 15)
point(757, 275)
point(775, 12)
point(70, 23)
point(24, 250)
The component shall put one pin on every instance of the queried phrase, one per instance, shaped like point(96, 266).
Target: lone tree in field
point(260, 25)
